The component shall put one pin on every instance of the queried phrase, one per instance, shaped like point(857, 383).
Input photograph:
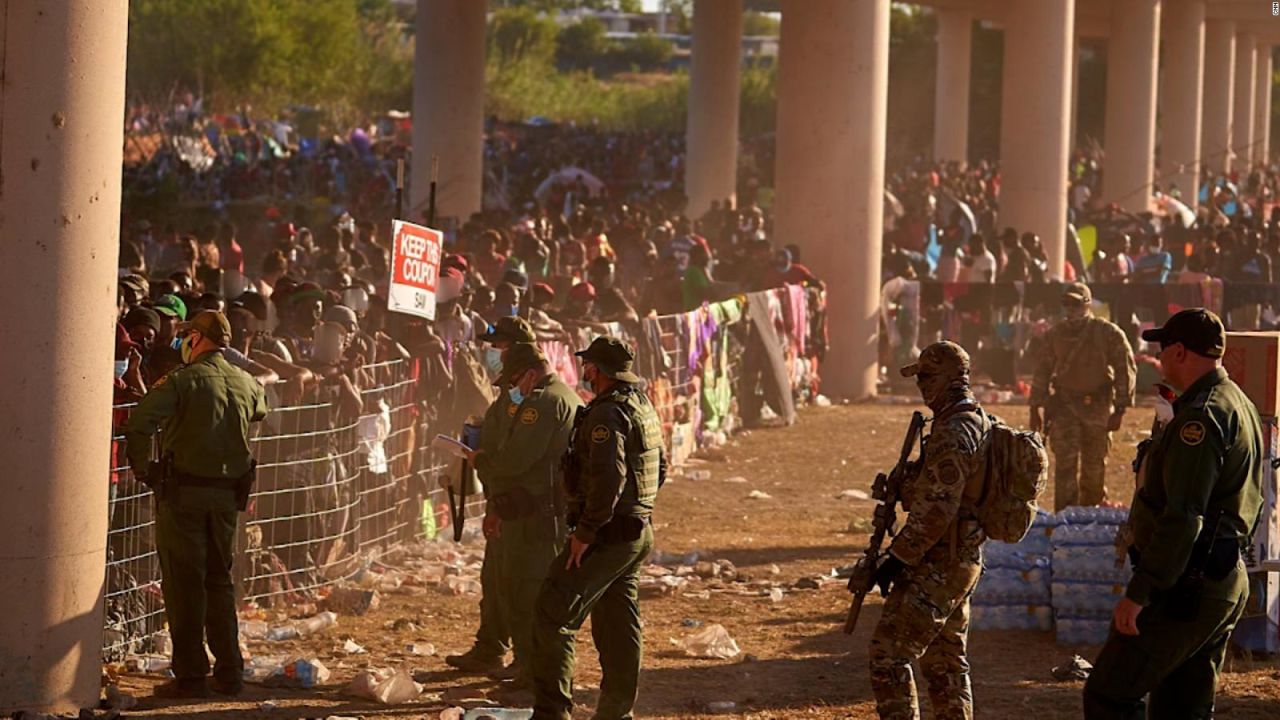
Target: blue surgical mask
point(493, 359)
point(517, 397)
point(121, 367)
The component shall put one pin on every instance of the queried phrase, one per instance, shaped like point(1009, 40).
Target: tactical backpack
point(1015, 471)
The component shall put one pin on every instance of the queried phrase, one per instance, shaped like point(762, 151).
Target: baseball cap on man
point(211, 324)
point(142, 316)
point(509, 329)
point(171, 305)
point(613, 356)
point(1197, 329)
point(343, 315)
point(940, 358)
point(1077, 292)
point(520, 357)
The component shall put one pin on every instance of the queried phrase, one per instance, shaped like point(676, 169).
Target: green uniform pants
point(195, 540)
point(1080, 460)
point(1176, 661)
point(529, 548)
point(605, 587)
point(493, 638)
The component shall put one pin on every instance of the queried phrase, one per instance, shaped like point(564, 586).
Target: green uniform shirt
point(493, 429)
point(621, 461)
point(1208, 458)
point(527, 451)
point(205, 409)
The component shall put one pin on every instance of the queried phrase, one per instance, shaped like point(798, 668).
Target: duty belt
point(519, 503)
point(622, 529)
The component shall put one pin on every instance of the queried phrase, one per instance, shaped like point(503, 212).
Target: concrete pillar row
point(833, 78)
point(1132, 69)
point(1219, 92)
point(711, 170)
point(1242, 107)
point(1181, 92)
point(60, 152)
point(448, 108)
point(951, 94)
point(1034, 142)
point(1262, 104)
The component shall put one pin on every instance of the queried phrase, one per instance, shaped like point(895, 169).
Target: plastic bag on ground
point(490, 713)
point(299, 673)
point(384, 685)
point(713, 641)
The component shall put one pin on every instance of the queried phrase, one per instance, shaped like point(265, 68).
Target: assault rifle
point(885, 491)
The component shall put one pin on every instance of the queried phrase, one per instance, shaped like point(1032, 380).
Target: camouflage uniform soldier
point(935, 560)
point(1088, 365)
point(1198, 506)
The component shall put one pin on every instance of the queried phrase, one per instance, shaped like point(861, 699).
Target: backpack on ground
point(1015, 471)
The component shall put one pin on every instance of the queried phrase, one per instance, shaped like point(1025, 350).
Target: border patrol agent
point(613, 472)
point(1198, 506)
point(521, 481)
point(205, 408)
point(493, 637)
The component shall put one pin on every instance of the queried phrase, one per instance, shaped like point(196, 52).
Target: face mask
point(932, 387)
point(514, 393)
point(188, 348)
point(493, 359)
point(121, 366)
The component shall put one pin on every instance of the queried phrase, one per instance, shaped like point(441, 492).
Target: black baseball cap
point(614, 357)
point(1197, 329)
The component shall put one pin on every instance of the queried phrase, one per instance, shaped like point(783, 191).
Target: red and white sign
point(415, 269)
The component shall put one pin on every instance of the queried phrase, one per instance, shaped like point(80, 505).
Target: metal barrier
point(338, 489)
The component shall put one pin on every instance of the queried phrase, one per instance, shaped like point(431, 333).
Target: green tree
point(645, 51)
point(521, 35)
point(579, 44)
point(550, 6)
point(758, 24)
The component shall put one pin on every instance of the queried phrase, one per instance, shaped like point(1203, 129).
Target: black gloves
point(889, 569)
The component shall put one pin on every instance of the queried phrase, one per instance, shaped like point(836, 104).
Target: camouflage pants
point(1079, 461)
point(926, 619)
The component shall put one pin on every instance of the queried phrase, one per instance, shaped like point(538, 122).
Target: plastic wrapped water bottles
point(1087, 583)
point(1014, 592)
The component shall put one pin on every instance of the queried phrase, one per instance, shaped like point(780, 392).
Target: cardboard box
point(1266, 538)
point(1253, 361)
point(1259, 628)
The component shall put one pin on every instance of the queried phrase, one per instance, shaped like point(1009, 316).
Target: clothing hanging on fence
point(764, 367)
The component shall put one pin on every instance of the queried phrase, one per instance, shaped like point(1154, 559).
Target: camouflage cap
point(519, 358)
point(509, 329)
point(211, 324)
point(1077, 292)
point(940, 358)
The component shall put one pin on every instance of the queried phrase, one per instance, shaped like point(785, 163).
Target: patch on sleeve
point(600, 433)
point(1192, 433)
point(529, 416)
point(163, 379)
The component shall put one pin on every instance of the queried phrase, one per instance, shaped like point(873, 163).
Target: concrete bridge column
point(833, 78)
point(1219, 89)
point(448, 107)
point(1242, 109)
point(1262, 104)
point(60, 153)
point(1034, 143)
point(1181, 92)
point(1132, 68)
point(951, 94)
point(711, 170)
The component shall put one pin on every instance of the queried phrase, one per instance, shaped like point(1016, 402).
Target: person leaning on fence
point(205, 409)
point(613, 471)
point(1198, 507)
point(521, 480)
point(1084, 382)
point(493, 637)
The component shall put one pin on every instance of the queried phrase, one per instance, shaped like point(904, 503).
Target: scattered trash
point(498, 714)
point(118, 700)
point(146, 663)
point(807, 583)
point(254, 629)
point(299, 673)
point(261, 667)
point(384, 685)
point(736, 479)
point(351, 647)
point(282, 632)
point(698, 474)
point(1077, 668)
point(691, 623)
point(775, 595)
point(268, 705)
point(453, 713)
point(774, 569)
point(722, 706)
point(758, 495)
point(316, 623)
point(463, 585)
point(351, 601)
point(853, 495)
point(420, 649)
point(822, 401)
point(713, 641)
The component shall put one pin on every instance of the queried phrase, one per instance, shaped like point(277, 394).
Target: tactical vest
point(644, 450)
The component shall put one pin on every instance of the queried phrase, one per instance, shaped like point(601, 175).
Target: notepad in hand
point(449, 445)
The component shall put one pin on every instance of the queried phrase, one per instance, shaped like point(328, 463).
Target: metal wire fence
point(342, 484)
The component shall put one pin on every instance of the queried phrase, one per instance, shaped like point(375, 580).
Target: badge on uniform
point(529, 416)
point(1192, 433)
point(599, 434)
point(511, 409)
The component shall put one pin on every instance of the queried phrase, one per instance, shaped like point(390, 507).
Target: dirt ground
point(795, 662)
